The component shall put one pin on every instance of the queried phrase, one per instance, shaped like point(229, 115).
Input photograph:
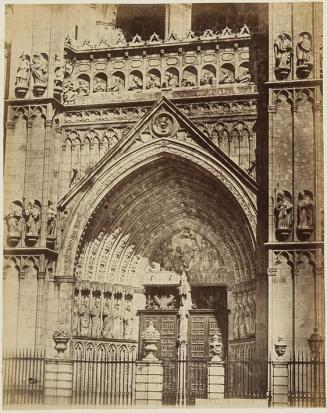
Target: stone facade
point(133, 163)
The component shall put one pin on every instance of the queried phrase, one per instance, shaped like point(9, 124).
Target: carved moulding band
point(125, 165)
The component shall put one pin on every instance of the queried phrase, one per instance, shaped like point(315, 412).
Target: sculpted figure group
point(101, 315)
point(24, 217)
point(244, 315)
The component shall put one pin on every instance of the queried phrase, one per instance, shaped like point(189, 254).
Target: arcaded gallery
point(163, 205)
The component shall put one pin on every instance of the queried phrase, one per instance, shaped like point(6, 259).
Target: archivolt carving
point(102, 185)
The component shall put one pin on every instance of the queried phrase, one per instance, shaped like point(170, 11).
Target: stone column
point(149, 371)
point(58, 375)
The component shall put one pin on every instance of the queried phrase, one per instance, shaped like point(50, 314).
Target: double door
point(184, 379)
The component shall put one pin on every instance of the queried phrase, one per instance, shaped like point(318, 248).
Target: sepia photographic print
point(163, 205)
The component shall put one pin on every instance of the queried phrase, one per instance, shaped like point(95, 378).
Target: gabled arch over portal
point(132, 154)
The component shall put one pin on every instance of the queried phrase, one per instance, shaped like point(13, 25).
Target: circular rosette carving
point(163, 125)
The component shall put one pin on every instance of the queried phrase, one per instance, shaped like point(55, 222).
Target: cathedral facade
point(164, 199)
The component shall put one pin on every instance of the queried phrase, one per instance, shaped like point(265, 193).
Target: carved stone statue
point(83, 87)
point(99, 85)
point(84, 314)
point(117, 320)
point(32, 217)
point(23, 71)
point(52, 221)
point(170, 80)
point(247, 315)
point(70, 92)
point(95, 318)
point(164, 302)
point(244, 75)
point(14, 220)
point(252, 306)
point(207, 78)
point(59, 72)
point(39, 68)
point(153, 82)
point(304, 50)
point(305, 210)
point(236, 331)
point(118, 84)
point(283, 50)
point(136, 83)
point(226, 76)
point(128, 321)
point(107, 319)
point(283, 211)
point(76, 319)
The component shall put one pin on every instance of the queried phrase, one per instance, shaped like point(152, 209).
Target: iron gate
point(184, 381)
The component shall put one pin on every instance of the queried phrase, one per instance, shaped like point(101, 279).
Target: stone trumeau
point(163, 201)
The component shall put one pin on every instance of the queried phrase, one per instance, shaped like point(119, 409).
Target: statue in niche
point(244, 75)
point(135, 83)
point(100, 85)
point(84, 314)
point(107, 319)
point(14, 220)
point(208, 79)
point(76, 319)
point(304, 50)
point(70, 92)
point(226, 76)
point(171, 80)
point(83, 87)
point(305, 210)
point(241, 322)
point(117, 319)
point(153, 82)
point(52, 221)
point(283, 211)
point(95, 318)
point(59, 72)
point(39, 68)
point(23, 71)
point(283, 50)
point(188, 80)
point(118, 84)
point(128, 321)
point(32, 217)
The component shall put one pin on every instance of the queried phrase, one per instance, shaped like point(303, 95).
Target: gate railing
point(307, 386)
point(23, 376)
point(184, 381)
point(99, 381)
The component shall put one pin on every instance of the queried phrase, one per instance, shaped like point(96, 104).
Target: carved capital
point(41, 275)
point(21, 275)
point(29, 124)
point(272, 271)
point(272, 109)
point(295, 108)
point(317, 107)
point(49, 123)
point(10, 125)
